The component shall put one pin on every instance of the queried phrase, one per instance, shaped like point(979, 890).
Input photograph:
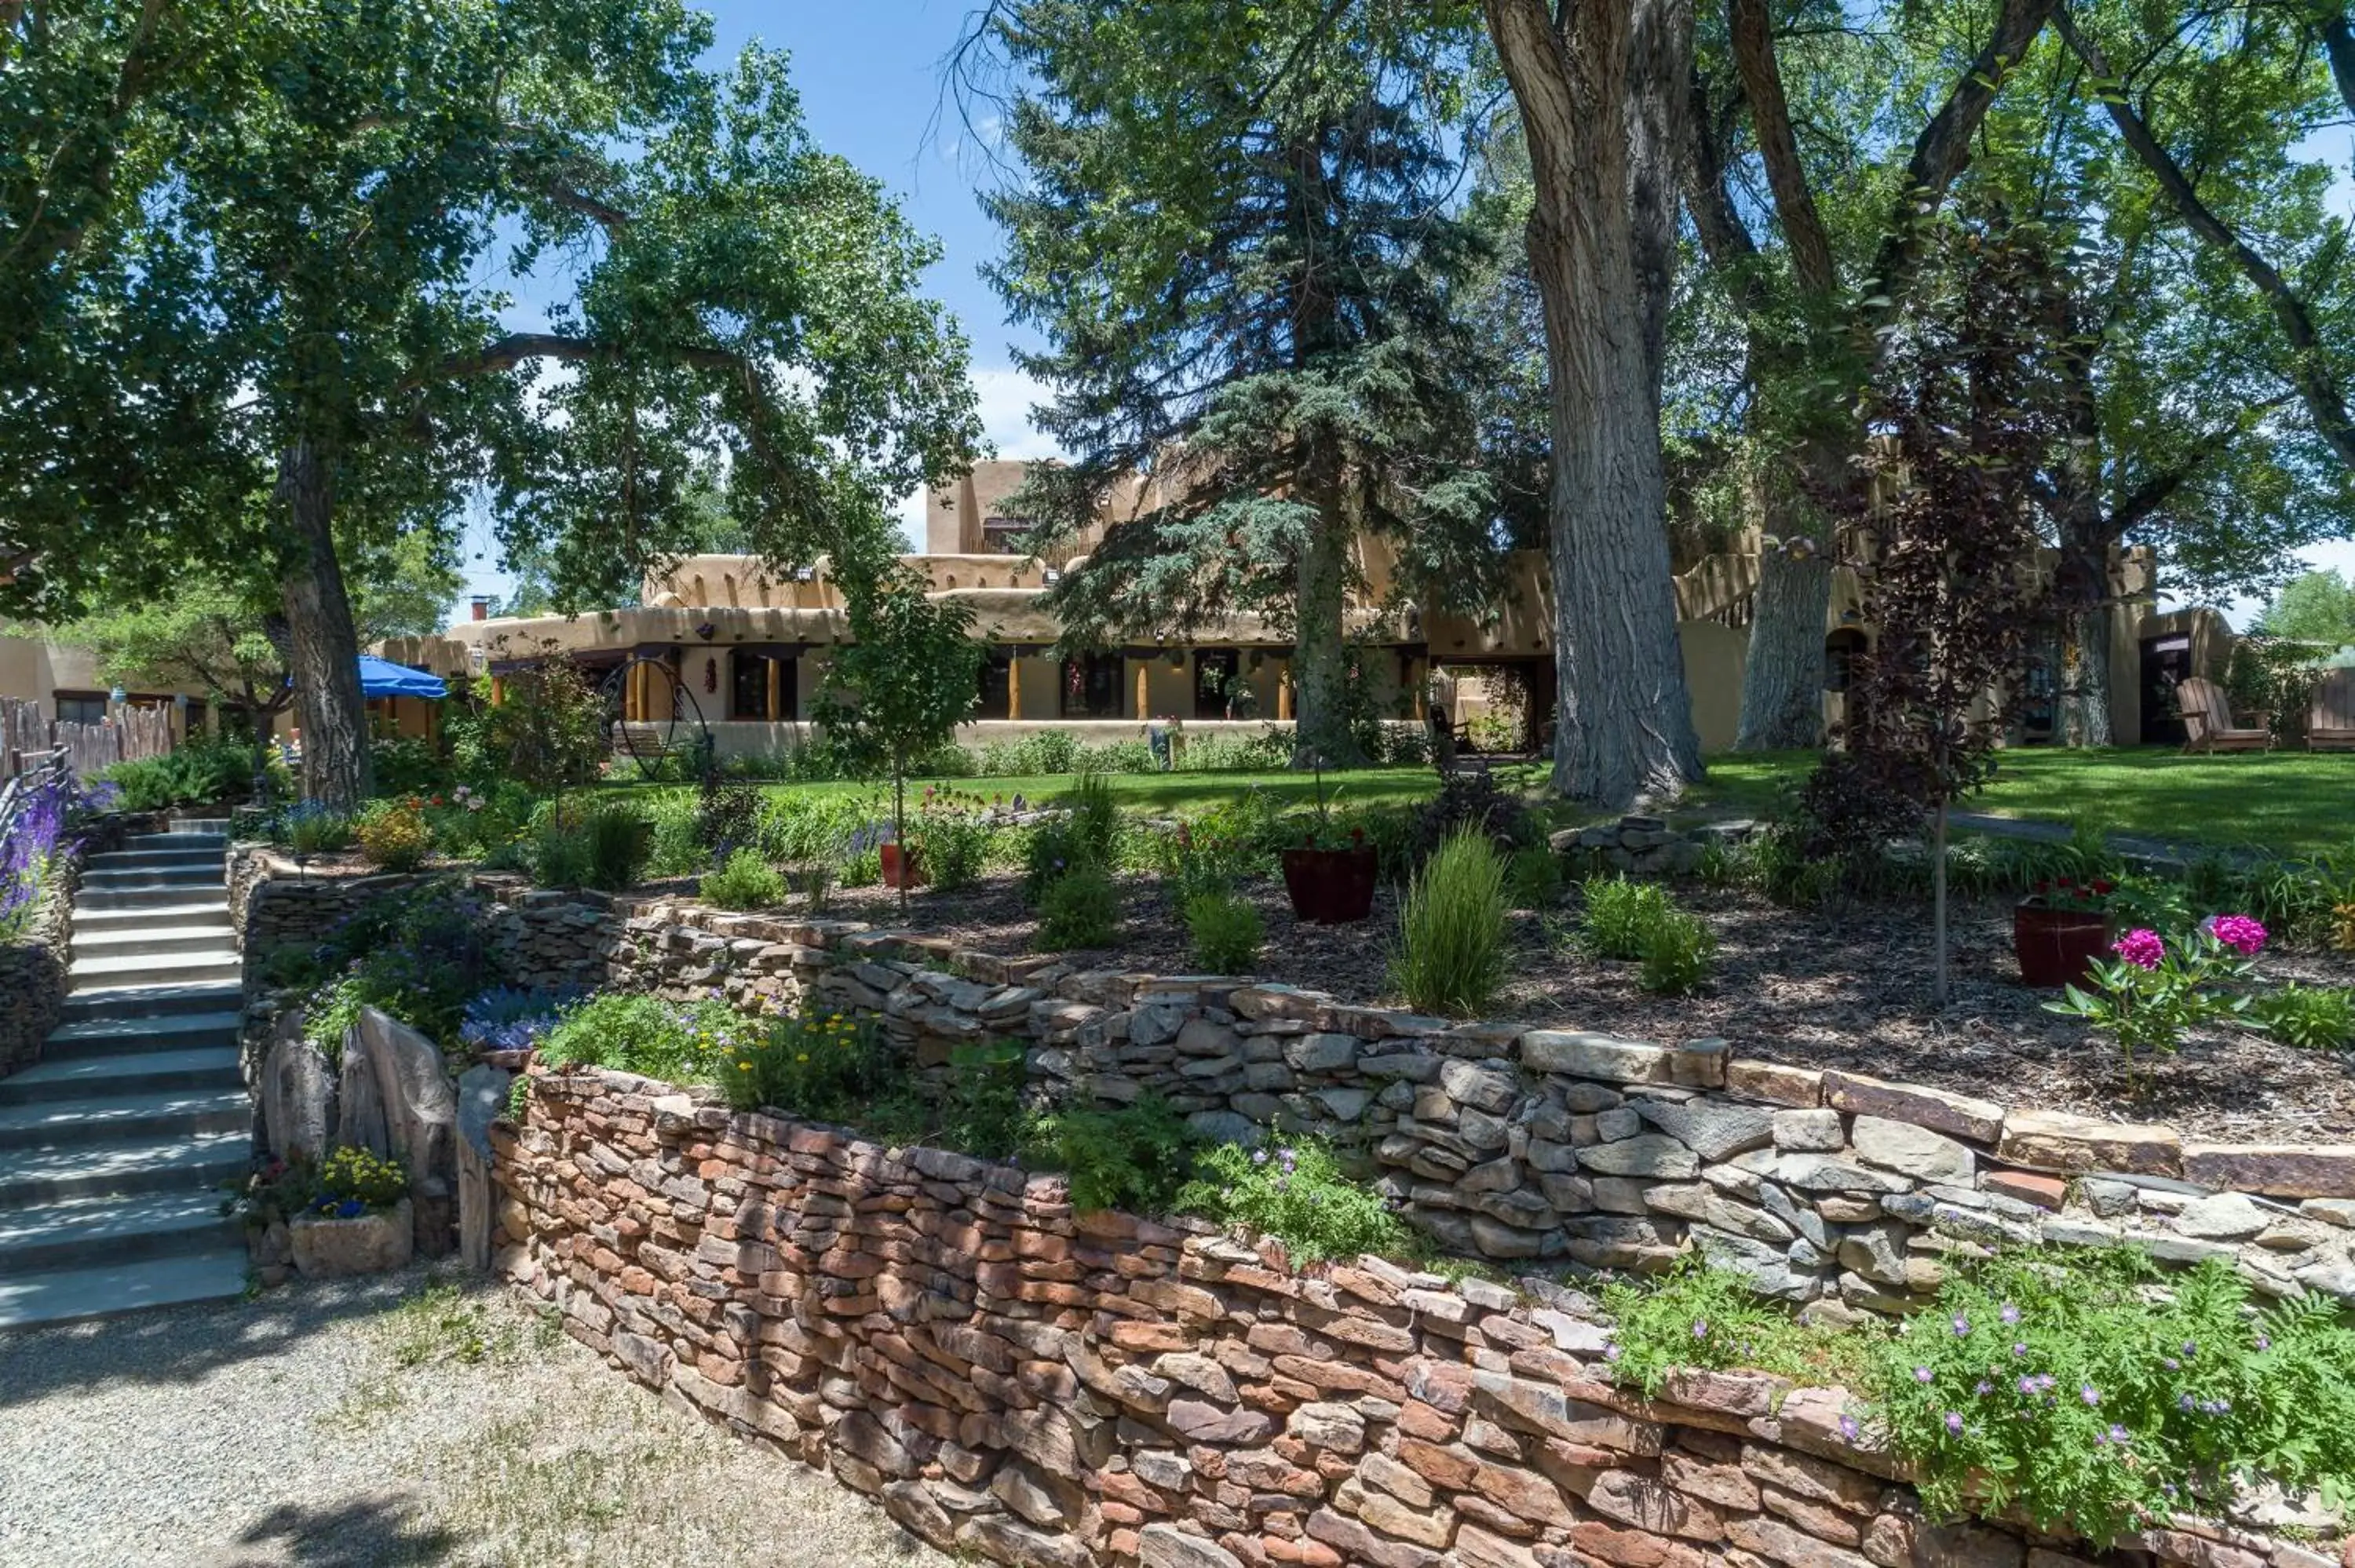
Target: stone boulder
point(398, 1102)
point(297, 1090)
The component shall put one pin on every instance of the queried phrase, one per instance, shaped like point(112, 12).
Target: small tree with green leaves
point(899, 690)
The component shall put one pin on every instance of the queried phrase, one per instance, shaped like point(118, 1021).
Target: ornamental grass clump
point(1450, 957)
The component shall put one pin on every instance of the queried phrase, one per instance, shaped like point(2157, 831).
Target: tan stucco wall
point(1713, 656)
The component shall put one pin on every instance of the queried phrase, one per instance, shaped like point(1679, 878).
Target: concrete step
point(93, 1233)
point(134, 1073)
point(200, 905)
point(66, 1295)
point(184, 936)
point(108, 898)
point(158, 1113)
point(155, 858)
point(166, 1163)
point(208, 835)
point(218, 962)
point(206, 873)
point(129, 1036)
point(153, 1000)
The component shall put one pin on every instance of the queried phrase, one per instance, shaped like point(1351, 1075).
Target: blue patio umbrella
point(382, 678)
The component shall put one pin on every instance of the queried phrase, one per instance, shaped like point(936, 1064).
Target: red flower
point(437, 800)
point(2104, 886)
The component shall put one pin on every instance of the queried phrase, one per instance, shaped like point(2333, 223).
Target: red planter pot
point(898, 872)
point(1330, 888)
point(2056, 947)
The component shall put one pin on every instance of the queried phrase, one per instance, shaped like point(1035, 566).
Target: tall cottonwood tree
point(1816, 305)
point(1602, 95)
point(1235, 231)
point(323, 243)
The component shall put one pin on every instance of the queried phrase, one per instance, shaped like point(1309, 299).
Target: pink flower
point(2240, 932)
point(2141, 947)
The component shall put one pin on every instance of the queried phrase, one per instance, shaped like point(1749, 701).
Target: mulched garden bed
point(1844, 987)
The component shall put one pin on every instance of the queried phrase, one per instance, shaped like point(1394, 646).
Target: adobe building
point(723, 642)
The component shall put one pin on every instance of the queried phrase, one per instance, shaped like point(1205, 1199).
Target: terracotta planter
point(898, 872)
point(1330, 888)
point(2056, 947)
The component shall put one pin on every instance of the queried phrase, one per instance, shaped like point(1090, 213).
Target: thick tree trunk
point(1320, 662)
point(1600, 109)
point(1783, 670)
point(324, 655)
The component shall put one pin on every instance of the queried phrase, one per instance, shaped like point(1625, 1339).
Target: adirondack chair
point(2208, 720)
point(2330, 722)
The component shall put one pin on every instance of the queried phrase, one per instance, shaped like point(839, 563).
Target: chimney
point(482, 606)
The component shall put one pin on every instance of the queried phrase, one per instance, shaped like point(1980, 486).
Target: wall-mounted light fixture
point(707, 630)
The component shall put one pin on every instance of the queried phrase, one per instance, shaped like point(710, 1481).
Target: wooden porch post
point(1014, 684)
point(1143, 688)
point(1284, 694)
point(776, 690)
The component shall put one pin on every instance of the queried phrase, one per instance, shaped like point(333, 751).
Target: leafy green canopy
point(1237, 229)
point(2317, 607)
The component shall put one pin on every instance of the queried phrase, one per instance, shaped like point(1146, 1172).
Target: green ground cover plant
point(1135, 1157)
point(1299, 1193)
point(2085, 1389)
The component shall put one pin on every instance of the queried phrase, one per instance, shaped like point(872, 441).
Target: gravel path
point(398, 1421)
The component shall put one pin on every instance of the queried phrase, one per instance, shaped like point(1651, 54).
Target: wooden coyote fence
point(132, 734)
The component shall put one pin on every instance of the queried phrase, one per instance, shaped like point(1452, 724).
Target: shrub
point(2312, 1018)
point(746, 881)
point(408, 764)
point(2069, 1388)
point(393, 834)
point(1116, 757)
point(825, 1066)
point(616, 838)
point(633, 1033)
point(2156, 989)
point(675, 845)
point(1679, 952)
point(951, 841)
point(1225, 930)
point(1135, 1157)
point(1080, 908)
point(352, 1181)
point(1299, 1194)
point(1476, 801)
point(981, 1111)
point(558, 856)
point(1619, 916)
point(1451, 951)
point(1700, 1316)
point(1533, 877)
point(313, 828)
point(198, 772)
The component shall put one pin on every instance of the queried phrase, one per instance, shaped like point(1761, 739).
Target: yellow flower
point(744, 1066)
point(803, 1057)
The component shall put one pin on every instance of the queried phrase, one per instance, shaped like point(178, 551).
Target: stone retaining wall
point(1837, 1192)
point(1031, 1385)
point(34, 976)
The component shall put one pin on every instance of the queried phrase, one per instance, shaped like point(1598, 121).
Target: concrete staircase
point(113, 1149)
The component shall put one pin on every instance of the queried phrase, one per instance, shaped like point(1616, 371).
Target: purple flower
point(1924, 1374)
point(2019, 1347)
point(1962, 1327)
point(2118, 1434)
point(2090, 1394)
point(1700, 1327)
point(2010, 1313)
point(2191, 1349)
point(1982, 1388)
point(1849, 1428)
point(2184, 1402)
point(2264, 1341)
point(2141, 946)
point(1611, 1352)
point(2028, 1385)
point(1955, 1421)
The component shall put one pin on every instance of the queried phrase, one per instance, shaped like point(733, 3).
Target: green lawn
point(2290, 802)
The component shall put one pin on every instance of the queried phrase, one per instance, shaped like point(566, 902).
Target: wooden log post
point(1014, 684)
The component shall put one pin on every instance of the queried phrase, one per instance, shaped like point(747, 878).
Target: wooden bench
point(2208, 720)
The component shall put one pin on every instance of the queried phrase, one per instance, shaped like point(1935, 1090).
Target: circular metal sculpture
point(681, 732)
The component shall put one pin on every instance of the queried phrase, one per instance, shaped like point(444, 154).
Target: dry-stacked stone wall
point(1035, 1386)
point(34, 978)
point(1837, 1192)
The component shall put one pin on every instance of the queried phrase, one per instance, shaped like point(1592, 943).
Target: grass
point(2291, 803)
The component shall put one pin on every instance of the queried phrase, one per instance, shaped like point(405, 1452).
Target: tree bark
point(1601, 99)
point(1320, 647)
point(1783, 668)
point(324, 653)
